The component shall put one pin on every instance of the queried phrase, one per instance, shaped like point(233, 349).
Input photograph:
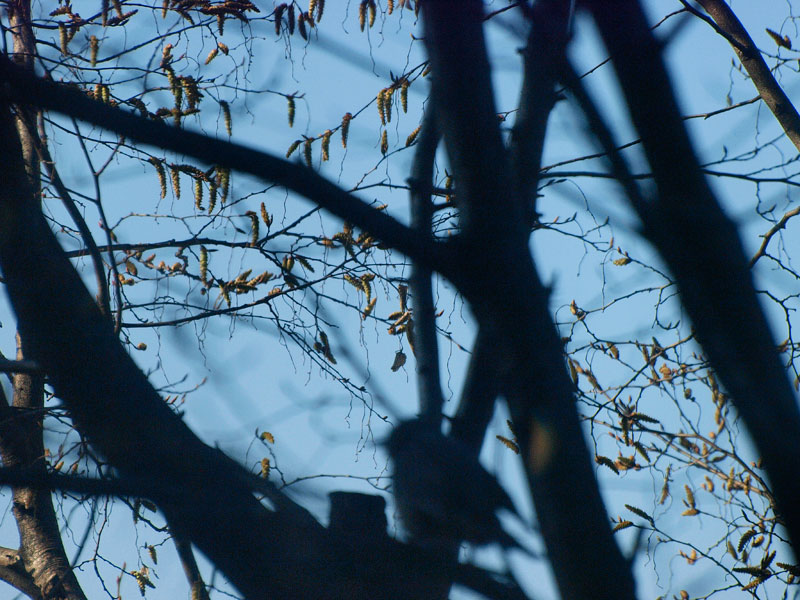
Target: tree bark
point(42, 557)
point(43, 561)
point(760, 74)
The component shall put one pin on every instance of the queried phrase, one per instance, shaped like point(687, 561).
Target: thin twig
point(773, 230)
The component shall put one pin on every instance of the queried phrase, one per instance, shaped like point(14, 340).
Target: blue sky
point(250, 379)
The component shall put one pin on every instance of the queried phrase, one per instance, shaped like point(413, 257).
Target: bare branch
point(23, 87)
point(19, 366)
point(493, 252)
point(543, 55)
point(13, 573)
point(702, 248)
point(425, 348)
point(43, 560)
point(480, 390)
point(190, 568)
point(781, 224)
point(760, 74)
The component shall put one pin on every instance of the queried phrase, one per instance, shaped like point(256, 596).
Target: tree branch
point(425, 348)
point(478, 157)
point(114, 406)
point(761, 76)
point(190, 568)
point(495, 272)
point(19, 366)
point(781, 224)
point(25, 88)
point(543, 55)
point(481, 387)
point(14, 574)
point(44, 563)
point(702, 248)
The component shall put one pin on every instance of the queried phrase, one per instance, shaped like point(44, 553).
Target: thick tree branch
point(467, 118)
point(13, 573)
point(43, 558)
point(8, 557)
point(426, 349)
point(113, 404)
point(124, 487)
point(760, 74)
point(497, 275)
point(542, 56)
point(190, 569)
point(22, 87)
point(480, 390)
point(702, 248)
point(42, 555)
point(103, 298)
point(19, 366)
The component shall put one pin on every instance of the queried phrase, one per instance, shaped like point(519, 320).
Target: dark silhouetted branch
point(701, 246)
point(425, 348)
